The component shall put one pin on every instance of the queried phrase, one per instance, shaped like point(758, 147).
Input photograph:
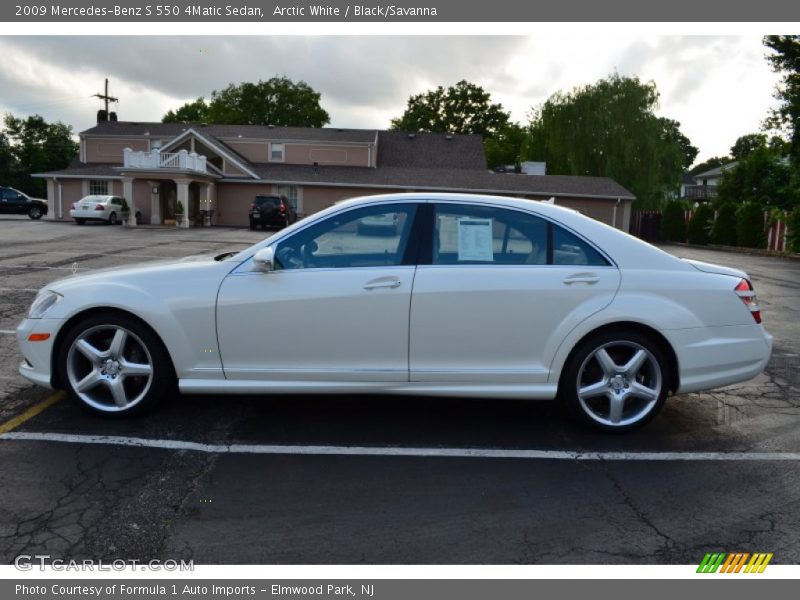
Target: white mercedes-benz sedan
point(469, 296)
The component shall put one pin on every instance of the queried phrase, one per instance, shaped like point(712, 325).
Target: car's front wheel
point(615, 381)
point(35, 212)
point(114, 366)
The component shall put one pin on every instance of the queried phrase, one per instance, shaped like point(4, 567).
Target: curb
point(736, 250)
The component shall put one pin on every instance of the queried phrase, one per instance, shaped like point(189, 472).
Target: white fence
point(182, 160)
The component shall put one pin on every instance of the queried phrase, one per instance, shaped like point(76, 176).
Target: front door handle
point(382, 283)
point(588, 278)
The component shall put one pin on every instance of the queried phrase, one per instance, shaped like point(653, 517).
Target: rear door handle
point(382, 283)
point(587, 278)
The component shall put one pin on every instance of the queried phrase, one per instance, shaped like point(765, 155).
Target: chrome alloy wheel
point(619, 383)
point(109, 368)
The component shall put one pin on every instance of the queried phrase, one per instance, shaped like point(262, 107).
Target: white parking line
point(111, 440)
point(7, 331)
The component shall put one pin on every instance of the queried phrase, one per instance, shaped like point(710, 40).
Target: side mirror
point(264, 260)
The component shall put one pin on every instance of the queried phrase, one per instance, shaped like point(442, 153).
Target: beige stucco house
point(223, 167)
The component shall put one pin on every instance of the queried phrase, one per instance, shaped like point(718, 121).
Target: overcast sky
point(718, 87)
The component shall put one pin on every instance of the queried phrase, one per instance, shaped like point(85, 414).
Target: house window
point(290, 191)
point(98, 187)
point(276, 152)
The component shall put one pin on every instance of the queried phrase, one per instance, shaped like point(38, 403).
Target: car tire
point(112, 218)
point(104, 347)
point(35, 213)
point(80, 221)
point(138, 218)
point(606, 389)
point(252, 226)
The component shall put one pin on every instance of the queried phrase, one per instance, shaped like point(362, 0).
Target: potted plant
point(125, 212)
point(180, 217)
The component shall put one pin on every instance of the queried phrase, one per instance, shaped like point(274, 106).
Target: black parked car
point(271, 211)
point(14, 202)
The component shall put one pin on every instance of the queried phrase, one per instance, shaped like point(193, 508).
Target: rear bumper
point(712, 357)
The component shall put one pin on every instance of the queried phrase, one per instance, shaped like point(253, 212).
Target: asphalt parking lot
point(232, 499)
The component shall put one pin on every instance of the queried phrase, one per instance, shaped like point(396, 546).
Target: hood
point(716, 269)
point(169, 268)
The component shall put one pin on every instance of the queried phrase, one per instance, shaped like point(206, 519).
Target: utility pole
point(105, 97)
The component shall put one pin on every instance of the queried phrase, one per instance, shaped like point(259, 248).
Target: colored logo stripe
point(734, 562)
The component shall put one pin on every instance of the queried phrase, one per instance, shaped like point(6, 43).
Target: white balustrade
point(182, 160)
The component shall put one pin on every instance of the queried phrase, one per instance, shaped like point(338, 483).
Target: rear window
point(267, 201)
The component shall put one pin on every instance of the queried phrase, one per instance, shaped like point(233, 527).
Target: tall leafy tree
point(673, 133)
point(763, 178)
point(785, 59)
point(33, 145)
point(610, 129)
point(461, 108)
point(711, 163)
point(504, 147)
point(278, 101)
point(745, 145)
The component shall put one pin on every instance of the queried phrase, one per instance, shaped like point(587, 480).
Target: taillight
point(99, 207)
point(73, 206)
point(744, 290)
point(283, 208)
point(253, 206)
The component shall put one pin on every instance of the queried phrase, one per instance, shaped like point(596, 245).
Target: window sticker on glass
point(475, 240)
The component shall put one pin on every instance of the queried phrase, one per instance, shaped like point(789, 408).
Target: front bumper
point(37, 356)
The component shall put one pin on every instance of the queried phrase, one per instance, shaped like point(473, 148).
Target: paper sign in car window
point(475, 240)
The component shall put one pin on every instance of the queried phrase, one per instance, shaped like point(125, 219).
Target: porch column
point(52, 200)
point(207, 196)
point(155, 203)
point(183, 198)
point(127, 193)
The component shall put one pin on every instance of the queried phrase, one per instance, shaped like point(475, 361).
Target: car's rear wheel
point(35, 212)
point(113, 365)
point(616, 381)
point(252, 225)
point(112, 218)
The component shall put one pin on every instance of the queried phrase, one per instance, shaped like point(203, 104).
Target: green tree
point(461, 108)
point(750, 225)
point(672, 133)
point(763, 178)
point(504, 148)
point(610, 129)
point(698, 231)
point(785, 60)
point(723, 231)
point(711, 163)
point(191, 112)
point(278, 101)
point(673, 222)
point(745, 145)
point(33, 145)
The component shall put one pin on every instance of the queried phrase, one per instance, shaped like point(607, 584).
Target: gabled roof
point(217, 146)
point(418, 178)
point(717, 171)
point(430, 150)
point(155, 129)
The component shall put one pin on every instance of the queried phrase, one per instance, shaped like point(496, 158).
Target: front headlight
point(43, 302)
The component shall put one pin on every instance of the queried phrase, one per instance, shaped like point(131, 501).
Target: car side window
point(465, 234)
point(569, 249)
point(372, 236)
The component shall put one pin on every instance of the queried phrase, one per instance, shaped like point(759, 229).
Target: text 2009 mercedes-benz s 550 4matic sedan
point(467, 296)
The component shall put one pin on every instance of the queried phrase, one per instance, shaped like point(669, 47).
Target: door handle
point(384, 283)
point(588, 278)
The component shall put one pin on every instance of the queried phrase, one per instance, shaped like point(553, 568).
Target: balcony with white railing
point(156, 160)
